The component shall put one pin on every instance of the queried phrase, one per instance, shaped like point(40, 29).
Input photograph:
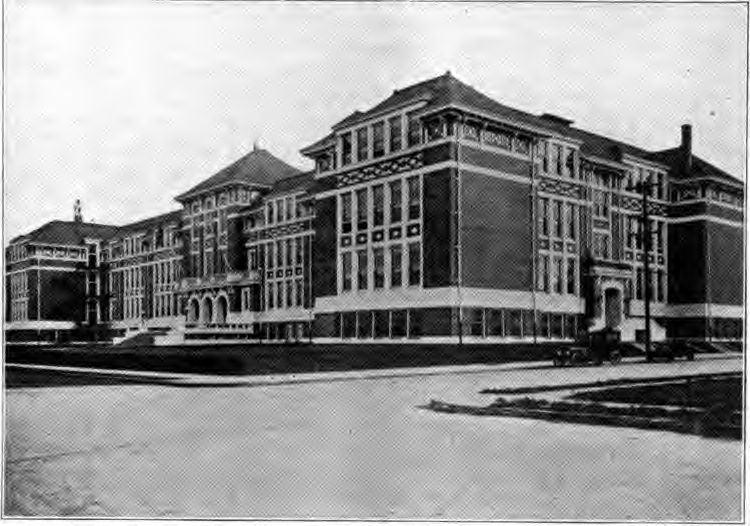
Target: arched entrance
point(206, 311)
point(193, 310)
point(221, 310)
point(612, 307)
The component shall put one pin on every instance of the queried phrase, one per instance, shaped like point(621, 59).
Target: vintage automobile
point(595, 347)
point(671, 349)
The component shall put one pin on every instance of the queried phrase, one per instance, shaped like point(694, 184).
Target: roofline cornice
point(185, 196)
point(416, 103)
point(643, 160)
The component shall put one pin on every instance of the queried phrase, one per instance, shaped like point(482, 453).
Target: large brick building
point(439, 214)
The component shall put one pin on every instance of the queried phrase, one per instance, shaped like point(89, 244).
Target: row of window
point(289, 252)
point(236, 195)
point(19, 285)
point(19, 309)
point(634, 234)
point(212, 262)
point(377, 139)
point(376, 268)
point(491, 136)
point(557, 274)
point(638, 175)
point(558, 218)
point(284, 294)
point(658, 282)
point(557, 159)
point(380, 204)
point(165, 304)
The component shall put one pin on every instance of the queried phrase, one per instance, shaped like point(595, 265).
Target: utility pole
point(644, 188)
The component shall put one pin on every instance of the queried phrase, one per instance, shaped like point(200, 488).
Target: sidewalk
point(205, 380)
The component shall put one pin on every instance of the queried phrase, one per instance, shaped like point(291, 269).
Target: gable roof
point(259, 168)
point(66, 233)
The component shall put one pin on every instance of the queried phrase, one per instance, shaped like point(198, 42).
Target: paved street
point(348, 446)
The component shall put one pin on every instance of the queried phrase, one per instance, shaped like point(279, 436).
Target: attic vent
point(556, 119)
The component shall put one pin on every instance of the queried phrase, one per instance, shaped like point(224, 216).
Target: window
point(289, 208)
point(378, 139)
point(279, 210)
point(289, 254)
point(362, 146)
point(557, 159)
point(569, 162)
point(381, 323)
point(271, 296)
point(362, 209)
point(348, 324)
point(557, 218)
point(571, 233)
point(434, 129)
point(379, 270)
point(289, 294)
point(346, 213)
point(415, 264)
point(542, 279)
point(659, 285)
point(378, 205)
point(398, 323)
point(279, 254)
point(396, 261)
point(300, 294)
point(414, 130)
point(415, 199)
point(395, 189)
point(280, 294)
point(544, 155)
point(395, 133)
point(346, 271)
point(557, 274)
point(346, 148)
point(362, 270)
point(298, 246)
point(544, 216)
point(638, 283)
point(269, 256)
point(572, 271)
point(364, 324)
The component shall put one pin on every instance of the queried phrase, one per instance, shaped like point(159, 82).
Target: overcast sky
point(125, 104)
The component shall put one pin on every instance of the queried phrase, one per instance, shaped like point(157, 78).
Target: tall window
point(289, 293)
point(346, 271)
point(378, 139)
point(289, 253)
point(415, 264)
point(300, 293)
point(542, 277)
point(346, 213)
point(379, 270)
point(544, 216)
point(415, 198)
point(557, 159)
point(396, 262)
point(414, 129)
point(572, 271)
point(395, 135)
point(362, 270)
point(557, 218)
point(572, 230)
point(362, 209)
point(362, 145)
point(298, 250)
point(557, 274)
point(395, 189)
point(269, 256)
point(346, 148)
point(378, 205)
point(544, 154)
point(279, 254)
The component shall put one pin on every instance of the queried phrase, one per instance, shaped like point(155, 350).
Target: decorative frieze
point(381, 169)
point(559, 187)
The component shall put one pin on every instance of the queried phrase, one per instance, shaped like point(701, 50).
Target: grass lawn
point(723, 392)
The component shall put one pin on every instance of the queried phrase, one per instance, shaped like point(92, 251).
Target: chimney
point(77, 214)
point(686, 146)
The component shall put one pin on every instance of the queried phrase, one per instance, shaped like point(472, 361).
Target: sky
point(126, 103)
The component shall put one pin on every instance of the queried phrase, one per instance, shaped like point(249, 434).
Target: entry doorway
point(612, 307)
